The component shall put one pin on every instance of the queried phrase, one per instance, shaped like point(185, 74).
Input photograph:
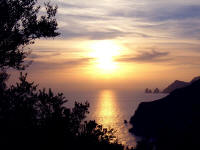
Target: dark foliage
point(37, 119)
point(20, 25)
point(170, 123)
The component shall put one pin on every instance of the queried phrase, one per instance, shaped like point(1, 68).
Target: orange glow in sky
point(104, 52)
point(128, 44)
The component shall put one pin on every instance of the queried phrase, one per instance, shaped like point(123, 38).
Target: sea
point(111, 108)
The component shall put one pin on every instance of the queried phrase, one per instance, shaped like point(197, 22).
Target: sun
point(104, 53)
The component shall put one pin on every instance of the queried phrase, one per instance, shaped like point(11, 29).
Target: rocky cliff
point(173, 122)
point(175, 85)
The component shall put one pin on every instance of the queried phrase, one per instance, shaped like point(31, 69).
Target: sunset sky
point(120, 44)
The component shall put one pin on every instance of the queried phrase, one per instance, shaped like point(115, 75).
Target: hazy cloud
point(189, 61)
point(159, 12)
point(177, 13)
point(100, 35)
point(151, 19)
point(34, 55)
point(69, 64)
point(147, 56)
point(171, 25)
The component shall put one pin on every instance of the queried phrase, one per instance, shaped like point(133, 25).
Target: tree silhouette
point(20, 25)
point(31, 118)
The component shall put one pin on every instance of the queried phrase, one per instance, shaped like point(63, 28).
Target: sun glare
point(104, 53)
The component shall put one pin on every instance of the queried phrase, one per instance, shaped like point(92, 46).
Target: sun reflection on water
point(107, 109)
point(108, 113)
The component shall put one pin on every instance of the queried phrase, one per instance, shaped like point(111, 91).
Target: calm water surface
point(110, 108)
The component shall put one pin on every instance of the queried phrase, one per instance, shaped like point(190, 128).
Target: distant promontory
point(179, 84)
